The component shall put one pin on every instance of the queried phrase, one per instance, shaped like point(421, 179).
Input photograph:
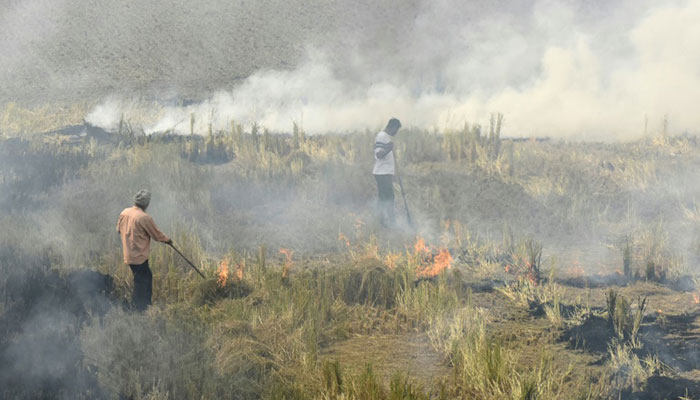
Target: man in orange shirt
point(136, 229)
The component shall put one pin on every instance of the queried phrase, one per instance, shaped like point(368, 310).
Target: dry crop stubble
point(276, 329)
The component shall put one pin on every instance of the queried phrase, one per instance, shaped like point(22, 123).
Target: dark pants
point(385, 188)
point(143, 286)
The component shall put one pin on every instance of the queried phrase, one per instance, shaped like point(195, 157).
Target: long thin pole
point(403, 193)
point(188, 261)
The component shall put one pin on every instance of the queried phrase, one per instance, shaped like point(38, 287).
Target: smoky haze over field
point(593, 70)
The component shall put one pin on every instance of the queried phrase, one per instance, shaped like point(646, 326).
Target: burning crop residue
point(391, 260)
point(344, 239)
point(420, 247)
point(525, 261)
point(228, 283)
point(431, 261)
point(577, 270)
point(240, 270)
point(288, 262)
point(441, 262)
point(222, 272)
point(524, 268)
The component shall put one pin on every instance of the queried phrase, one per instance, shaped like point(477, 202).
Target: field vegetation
point(536, 269)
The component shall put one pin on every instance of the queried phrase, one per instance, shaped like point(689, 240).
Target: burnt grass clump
point(211, 290)
point(673, 338)
point(40, 350)
point(664, 387)
point(594, 335)
point(623, 324)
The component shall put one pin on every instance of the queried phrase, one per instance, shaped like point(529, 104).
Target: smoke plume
point(601, 71)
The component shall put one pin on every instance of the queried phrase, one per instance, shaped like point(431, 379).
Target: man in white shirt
point(384, 170)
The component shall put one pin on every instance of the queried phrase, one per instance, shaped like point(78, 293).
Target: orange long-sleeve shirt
point(136, 229)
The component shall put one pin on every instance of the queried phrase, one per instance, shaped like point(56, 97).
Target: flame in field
point(391, 260)
point(420, 246)
point(515, 266)
point(222, 272)
point(696, 299)
point(577, 270)
point(531, 274)
point(441, 262)
point(239, 270)
point(431, 264)
point(287, 261)
point(372, 250)
point(343, 238)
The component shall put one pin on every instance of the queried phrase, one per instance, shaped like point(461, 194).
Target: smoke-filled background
point(621, 215)
point(582, 70)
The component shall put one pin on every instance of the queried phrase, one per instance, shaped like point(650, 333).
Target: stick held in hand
point(403, 194)
point(188, 261)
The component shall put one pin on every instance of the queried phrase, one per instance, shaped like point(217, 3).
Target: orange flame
point(287, 261)
point(441, 262)
point(432, 264)
point(577, 270)
point(343, 238)
point(372, 250)
point(391, 260)
point(531, 274)
point(696, 298)
point(420, 246)
point(239, 270)
point(223, 272)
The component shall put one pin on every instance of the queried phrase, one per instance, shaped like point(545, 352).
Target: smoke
point(106, 115)
point(554, 69)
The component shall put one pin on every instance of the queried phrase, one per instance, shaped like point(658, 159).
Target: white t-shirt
point(386, 165)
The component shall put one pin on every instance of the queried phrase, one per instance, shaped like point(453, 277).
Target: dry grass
point(16, 120)
point(241, 195)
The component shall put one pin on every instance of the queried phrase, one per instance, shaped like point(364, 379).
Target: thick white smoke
point(550, 71)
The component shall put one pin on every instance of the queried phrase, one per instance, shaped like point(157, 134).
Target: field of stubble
point(534, 269)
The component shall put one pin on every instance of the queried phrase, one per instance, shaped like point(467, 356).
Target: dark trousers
point(143, 286)
point(385, 189)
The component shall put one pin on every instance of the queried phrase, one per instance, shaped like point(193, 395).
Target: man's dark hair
point(393, 126)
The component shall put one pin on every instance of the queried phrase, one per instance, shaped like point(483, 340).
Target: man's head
point(393, 126)
point(142, 199)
